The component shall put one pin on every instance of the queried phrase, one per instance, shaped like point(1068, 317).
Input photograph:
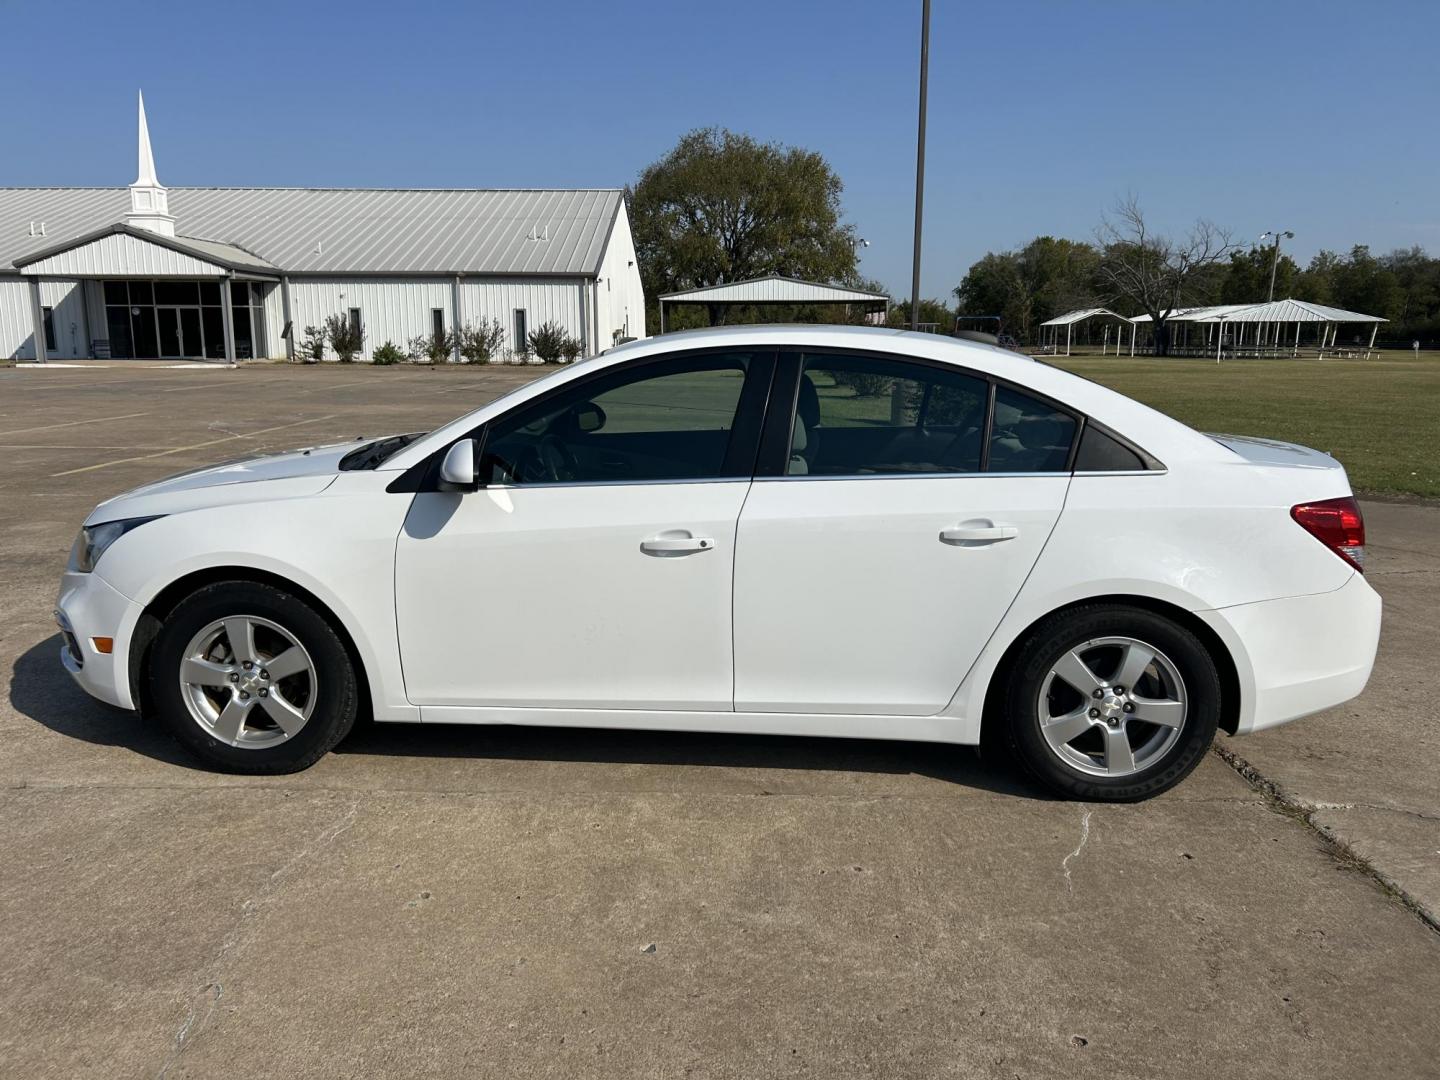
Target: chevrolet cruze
point(797, 530)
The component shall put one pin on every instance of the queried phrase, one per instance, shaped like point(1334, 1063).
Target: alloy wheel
point(1112, 706)
point(248, 682)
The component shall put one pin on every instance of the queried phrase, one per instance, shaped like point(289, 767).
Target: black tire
point(335, 703)
point(1050, 640)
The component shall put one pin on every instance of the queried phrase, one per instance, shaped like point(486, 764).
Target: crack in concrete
point(1421, 814)
point(1084, 838)
point(1290, 805)
point(207, 999)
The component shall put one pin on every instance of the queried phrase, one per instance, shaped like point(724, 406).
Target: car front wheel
point(1111, 703)
point(252, 679)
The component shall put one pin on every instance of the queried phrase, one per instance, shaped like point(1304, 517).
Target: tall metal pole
point(920, 165)
point(1274, 265)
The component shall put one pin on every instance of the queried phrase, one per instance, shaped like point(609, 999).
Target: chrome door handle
point(671, 544)
point(978, 534)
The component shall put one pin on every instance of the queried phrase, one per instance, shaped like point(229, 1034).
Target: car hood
point(293, 474)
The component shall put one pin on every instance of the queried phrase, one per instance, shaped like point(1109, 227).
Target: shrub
point(345, 338)
point(552, 344)
point(312, 348)
point(864, 385)
point(439, 348)
point(418, 349)
point(480, 342)
point(389, 353)
point(548, 342)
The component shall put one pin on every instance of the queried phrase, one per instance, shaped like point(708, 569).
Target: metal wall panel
point(123, 255)
point(16, 342)
point(71, 335)
point(389, 310)
point(543, 301)
point(621, 298)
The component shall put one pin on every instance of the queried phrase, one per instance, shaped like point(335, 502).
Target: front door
point(593, 570)
point(179, 332)
point(871, 573)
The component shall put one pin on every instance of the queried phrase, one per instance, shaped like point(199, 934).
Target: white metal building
point(226, 273)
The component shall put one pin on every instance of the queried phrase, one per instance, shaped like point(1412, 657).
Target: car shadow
point(43, 691)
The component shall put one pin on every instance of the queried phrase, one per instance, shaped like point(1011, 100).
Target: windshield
point(374, 454)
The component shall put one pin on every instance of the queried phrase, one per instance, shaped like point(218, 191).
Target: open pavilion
point(1273, 329)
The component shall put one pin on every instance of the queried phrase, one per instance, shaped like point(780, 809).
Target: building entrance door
point(179, 332)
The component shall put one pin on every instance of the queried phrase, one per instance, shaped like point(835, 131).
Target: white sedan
point(791, 530)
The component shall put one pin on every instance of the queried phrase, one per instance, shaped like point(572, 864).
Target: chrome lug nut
point(264, 674)
point(244, 695)
point(234, 676)
point(264, 692)
point(1098, 693)
point(1129, 706)
point(1094, 714)
point(1119, 689)
point(1114, 721)
point(247, 665)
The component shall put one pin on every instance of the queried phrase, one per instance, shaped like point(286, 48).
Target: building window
point(48, 317)
point(355, 325)
point(522, 333)
point(437, 323)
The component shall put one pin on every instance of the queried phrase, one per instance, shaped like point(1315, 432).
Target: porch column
point(459, 316)
point(289, 330)
point(37, 317)
point(228, 313)
point(1374, 329)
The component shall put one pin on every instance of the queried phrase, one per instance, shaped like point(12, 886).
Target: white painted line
point(32, 366)
point(72, 423)
point(196, 446)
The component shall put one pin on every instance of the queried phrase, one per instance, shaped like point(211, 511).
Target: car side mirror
point(457, 471)
point(589, 417)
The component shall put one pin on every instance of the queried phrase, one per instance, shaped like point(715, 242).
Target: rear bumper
point(1302, 654)
point(88, 608)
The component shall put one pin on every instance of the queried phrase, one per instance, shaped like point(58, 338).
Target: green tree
point(722, 207)
point(1045, 278)
point(1246, 280)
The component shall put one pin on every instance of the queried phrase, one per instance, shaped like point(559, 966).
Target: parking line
point(73, 423)
point(196, 446)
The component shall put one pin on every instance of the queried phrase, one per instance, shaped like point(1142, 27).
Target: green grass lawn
point(1380, 417)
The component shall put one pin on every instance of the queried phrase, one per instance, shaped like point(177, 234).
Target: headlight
point(94, 540)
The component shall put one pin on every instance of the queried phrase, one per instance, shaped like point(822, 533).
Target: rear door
point(905, 504)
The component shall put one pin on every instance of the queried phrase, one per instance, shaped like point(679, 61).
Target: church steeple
point(149, 202)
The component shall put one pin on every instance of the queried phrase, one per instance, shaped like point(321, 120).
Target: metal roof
point(1081, 315)
point(345, 230)
point(774, 290)
point(1286, 311)
point(1282, 311)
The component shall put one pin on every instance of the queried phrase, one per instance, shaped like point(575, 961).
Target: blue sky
point(1319, 117)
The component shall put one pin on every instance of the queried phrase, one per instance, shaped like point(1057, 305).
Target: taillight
point(1338, 524)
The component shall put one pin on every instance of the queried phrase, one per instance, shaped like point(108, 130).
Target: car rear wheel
point(252, 679)
point(1111, 703)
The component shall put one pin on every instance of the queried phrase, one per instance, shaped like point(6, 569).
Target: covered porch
point(136, 294)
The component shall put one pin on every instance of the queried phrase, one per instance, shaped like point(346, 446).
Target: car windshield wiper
point(374, 454)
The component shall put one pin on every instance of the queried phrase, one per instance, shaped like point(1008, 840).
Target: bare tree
point(1155, 273)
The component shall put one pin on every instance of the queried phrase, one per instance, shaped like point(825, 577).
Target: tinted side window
point(1028, 435)
point(1100, 453)
point(858, 416)
point(668, 420)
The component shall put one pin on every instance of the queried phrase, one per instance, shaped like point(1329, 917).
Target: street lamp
point(920, 164)
point(1275, 254)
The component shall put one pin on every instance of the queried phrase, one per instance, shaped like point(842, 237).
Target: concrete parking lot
point(528, 903)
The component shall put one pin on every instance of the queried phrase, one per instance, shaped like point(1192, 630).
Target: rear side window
point(862, 416)
point(1100, 452)
point(1028, 435)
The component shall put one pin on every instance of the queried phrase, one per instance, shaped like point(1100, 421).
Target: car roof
point(1161, 435)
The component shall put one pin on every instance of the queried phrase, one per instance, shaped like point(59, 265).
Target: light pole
point(920, 164)
point(1275, 254)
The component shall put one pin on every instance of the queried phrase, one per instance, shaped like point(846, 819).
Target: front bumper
point(89, 607)
point(1302, 654)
